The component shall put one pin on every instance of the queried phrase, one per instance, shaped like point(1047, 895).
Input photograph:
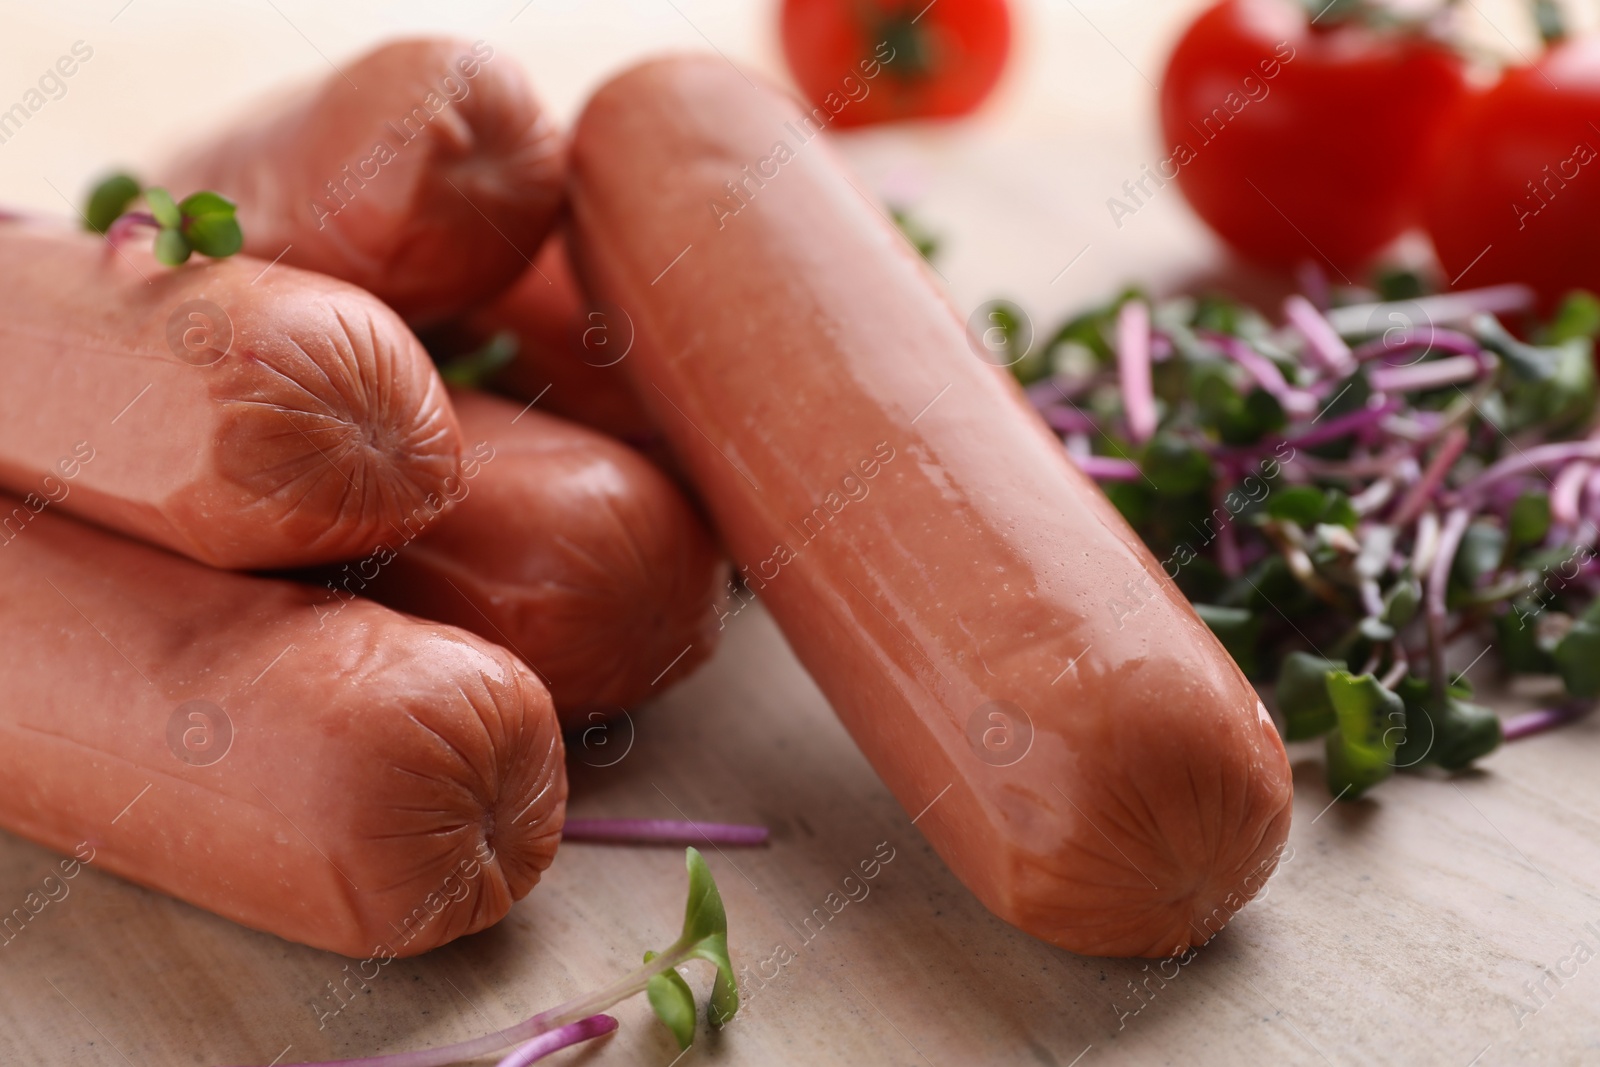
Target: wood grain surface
point(1408, 929)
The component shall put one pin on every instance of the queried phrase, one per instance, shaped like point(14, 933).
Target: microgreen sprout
point(924, 240)
point(203, 222)
point(704, 937)
point(1348, 494)
point(662, 832)
point(474, 369)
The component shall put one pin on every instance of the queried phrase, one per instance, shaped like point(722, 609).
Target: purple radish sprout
point(120, 230)
point(1537, 722)
point(528, 1031)
point(1426, 542)
point(1591, 493)
point(1344, 425)
point(1455, 525)
point(1558, 453)
point(1323, 342)
point(1108, 468)
point(1046, 391)
point(662, 832)
point(1133, 365)
point(1422, 493)
point(1228, 558)
point(556, 1040)
point(1403, 341)
point(1434, 374)
point(1373, 496)
point(1439, 309)
point(1565, 495)
point(1265, 372)
point(1066, 419)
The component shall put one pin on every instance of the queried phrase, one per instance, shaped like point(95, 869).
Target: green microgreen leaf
point(1397, 283)
point(924, 240)
point(705, 935)
point(1297, 503)
point(1450, 732)
point(1517, 639)
point(1482, 547)
point(474, 369)
point(703, 913)
point(1578, 316)
point(109, 200)
point(210, 225)
point(1237, 628)
point(673, 1002)
point(171, 248)
point(162, 207)
point(1529, 519)
point(1371, 725)
point(1577, 656)
point(1174, 466)
point(1302, 695)
point(1402, 601)
point(1548, 385)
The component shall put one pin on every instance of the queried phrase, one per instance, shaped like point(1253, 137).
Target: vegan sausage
point(569, 548)
point(424, 171)
point(352, 779)
point(1104, 779)
point(243, 414)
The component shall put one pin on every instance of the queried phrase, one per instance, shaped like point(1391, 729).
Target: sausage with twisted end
point(356, 780)
point(1107, 781)
point(569, 548)
point(424, 172)
point(243, 415)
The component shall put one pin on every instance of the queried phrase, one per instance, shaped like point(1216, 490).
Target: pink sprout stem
point(1567, 492)
point(1441, 308)
point(556, 1040)
point(1344, 425)
point(1066, 418)
point(1133, 366)
point(123, 227)
point(1108, 468)
point(1526, 459)
point(1421, 494)
point(662, 832)
point(1455, 525)
point(1228, 558)
point(1537, 722)
point(1431, 375)
point(1265, 372)
point(1404, 340)
point(1323, 342)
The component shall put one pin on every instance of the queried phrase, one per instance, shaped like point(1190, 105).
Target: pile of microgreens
point(202, 222)
point(1349, 494)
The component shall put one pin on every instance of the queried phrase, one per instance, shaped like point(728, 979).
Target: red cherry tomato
point(868, 61)
point(1295, 141)
point(1516, 196)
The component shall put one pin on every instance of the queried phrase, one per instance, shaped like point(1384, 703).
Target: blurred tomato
point(868, 61)
point(1299, 141)
point(1516, 197)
